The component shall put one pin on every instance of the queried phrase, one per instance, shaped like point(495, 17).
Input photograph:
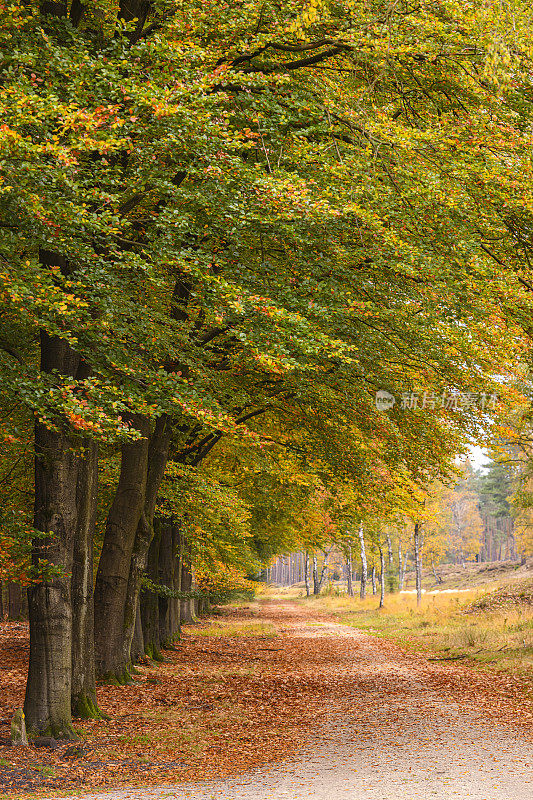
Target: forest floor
point(277, 700)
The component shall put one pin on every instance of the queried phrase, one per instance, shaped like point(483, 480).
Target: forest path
point(402, 727)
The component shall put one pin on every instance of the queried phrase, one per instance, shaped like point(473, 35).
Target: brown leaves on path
point(224, 704)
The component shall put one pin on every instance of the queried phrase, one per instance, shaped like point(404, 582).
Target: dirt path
point(402, 727)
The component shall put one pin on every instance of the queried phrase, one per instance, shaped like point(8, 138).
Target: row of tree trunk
point(498, 539)
point(81, 629)
point(168, 601)
point(303, 566)
point(287, 570)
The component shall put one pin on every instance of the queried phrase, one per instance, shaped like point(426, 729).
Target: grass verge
point(231, 629)
point(452, 626)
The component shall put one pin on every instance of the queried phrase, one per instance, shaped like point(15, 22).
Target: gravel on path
point(403, 738)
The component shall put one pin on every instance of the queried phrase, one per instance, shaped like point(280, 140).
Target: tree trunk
point(404, 568)
point(349, 571)
point(129, 532)
point(175, 603)
point(114, 565)
point(137, 644)
point(167, 566)
point(186, 615)
point(364, 568)
point(324, 569)
point(17, 608)
point(389, 548)
point(418, 564)
point(316, 584)
point(373, 578)
point(400, 574)
point(307, 576)
point(157, 461)
point(47, 704)
point(83, 669)
point(382, 578)
point(150, 600)
point(438, 578)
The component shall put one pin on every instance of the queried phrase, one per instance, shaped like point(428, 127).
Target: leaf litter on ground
point(221, 705)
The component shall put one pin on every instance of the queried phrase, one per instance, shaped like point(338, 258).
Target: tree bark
point(115, 560)
point(319, 580)
point(186, 583)
point(389, 548)
point(404, 569)
point(306, 574)
point(17, 602)
point(438, 578)
point(175, 604)
point(364, 568)
point(137, 644)
point(167, 566)
point(400, 574)
point(349, 576)
point(382, 577)
point(47, 704)
point(373, 578)
point(83, 667)
point(316, 586)
point(324, 569)
point(157, 461)
point(150, 600)
point(418, 564)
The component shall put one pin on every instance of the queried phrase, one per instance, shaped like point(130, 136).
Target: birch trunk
point(404, 568)
point(307, 576)
point(400, 574)
point(389, 548)
point(324, 569)
point(316, 585)
point(418, 565)
point(382, 578)
point(437, 577)
point(373, 578)
point(349, 571)
point(364, 568)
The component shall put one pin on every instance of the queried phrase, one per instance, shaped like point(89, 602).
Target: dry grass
point(230, 629)
point(453, 625)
